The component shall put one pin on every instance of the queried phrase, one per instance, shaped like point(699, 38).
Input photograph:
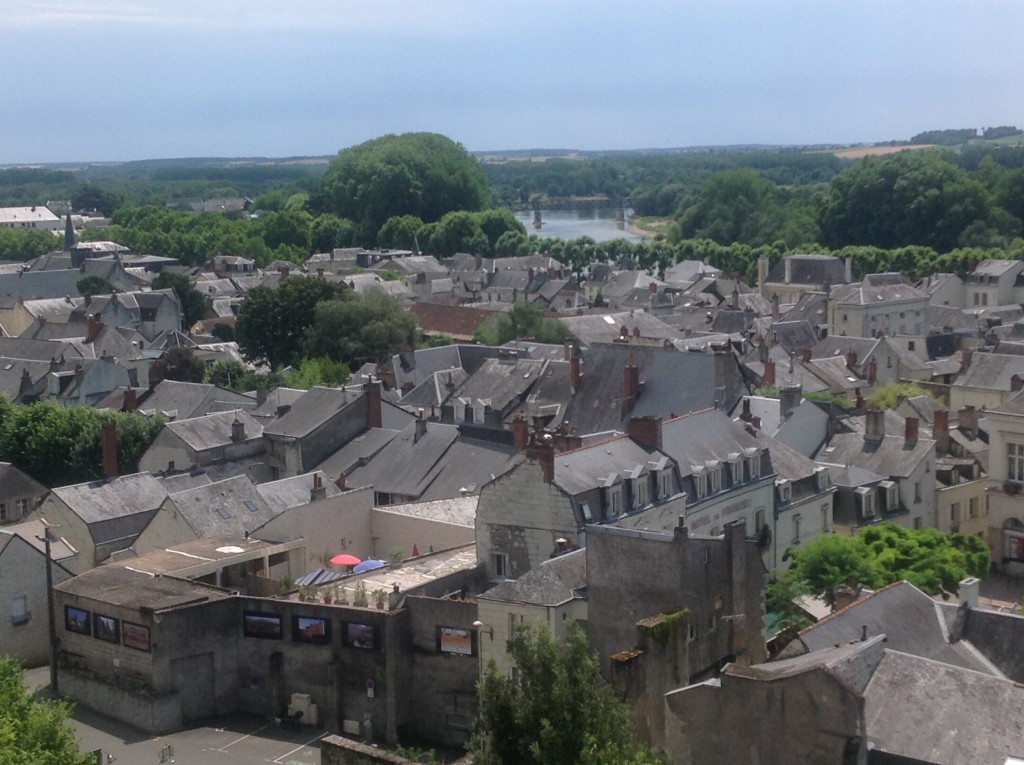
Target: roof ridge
point(691, 414)
point(608, 440)
point(846, 608)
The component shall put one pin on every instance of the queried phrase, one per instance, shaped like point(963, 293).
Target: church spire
point(69, 232)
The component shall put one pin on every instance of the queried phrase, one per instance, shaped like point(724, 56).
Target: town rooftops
point(295, 491)
point(602, 464)
point(993, 371)
point(810, 268)
point(231, 506)
point(310, 411)
point(98, 501)
point(878, 289)
point(458, 511)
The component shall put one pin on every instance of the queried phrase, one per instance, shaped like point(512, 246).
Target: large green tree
point(421, 174)
point(878, 555)
point(360, 328)
point(60, 445)
point(523, 321)
point(33, 731)
point(560, 711)
point(272, 322)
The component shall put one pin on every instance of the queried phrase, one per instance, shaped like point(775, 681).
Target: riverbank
point(649, 227)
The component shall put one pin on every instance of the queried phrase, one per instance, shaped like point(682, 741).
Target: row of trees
point(59, 446)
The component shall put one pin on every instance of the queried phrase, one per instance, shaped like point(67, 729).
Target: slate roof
point(458, 511)
point(231, 506)
point(794, 336)
point(910, 619)
point(674, 382)
point(892, 456)
point(991, 371)
point(295, 491)
point(214, 430)
point(357, 452)
point(115, 510)
point(551, 583)
point(32, 285)
point(601, 464)
point(436, 466)
point(501, 381)
point(310, 411)
point(605, 328)
point(187, 400)
point(15, 483)
point(433, 391)
point(1014, 406)
point(811, 307)
point(696, 438)
point(926, 711)
point(998, 637)
point(878, 288)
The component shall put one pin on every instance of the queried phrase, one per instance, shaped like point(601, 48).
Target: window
point(821, 478)
point(665, 483)
point(640, 491)
point(691, 631)
point(3, 512)
point(19, 610)
point(585, 509)
point(785, 490)
point(865, 502)
point(984, 298)
point(614, 501)
point(758, 521)
point(499, 562)
point(753, 463)
point(917, 492)
point(700, 483)
point(714, 477)
point(796, 528)
point(954, 514)
point(891, 495)
point(972, 507)
point(712, 622)
point(917, 523)
point(1015, 462)
point(826, 525)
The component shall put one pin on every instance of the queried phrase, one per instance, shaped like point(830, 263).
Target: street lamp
point(479, 626)
point(45, 538)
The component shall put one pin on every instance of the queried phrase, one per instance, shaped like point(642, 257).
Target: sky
point(115, 80)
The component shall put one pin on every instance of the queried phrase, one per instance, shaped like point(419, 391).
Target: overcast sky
point(138, 79)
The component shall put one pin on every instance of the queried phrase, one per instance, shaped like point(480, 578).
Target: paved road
point(234, 740)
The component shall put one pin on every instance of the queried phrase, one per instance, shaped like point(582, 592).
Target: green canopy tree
point(399, 231)
point(524, 320)
point(421, 174)
point(33, 731)
point(272, 323)
point(360, 328)
point(879, 555)
point(561, 710)
point(93, 285)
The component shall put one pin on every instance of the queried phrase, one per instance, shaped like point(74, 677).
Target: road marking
point(293, 751)
point(243, 738)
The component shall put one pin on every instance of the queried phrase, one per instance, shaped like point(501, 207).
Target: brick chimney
point(108, 444)
point(745, 414)
point(967, 422)
point(851, 358)
point(965, 360)
point(653, 287)
point(872, 371)
point(319, 491)
point(940, 431)
point(631, 383)
point(374, 413)
point(341, 481)
point(874, 426)
point(768, 377)
point(805, 355)
point(910, 430)
point(237, 430)
point(93, 327)
point(421, 427)
point(520, 433)
point(131, 400)
point(542, 451)
point(1016, 383)
point(646, 430)
point(575, 372)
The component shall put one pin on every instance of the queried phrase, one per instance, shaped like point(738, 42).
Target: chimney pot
point(874, 428)
point(940, 431)
point(768, 377)
point(910, 430)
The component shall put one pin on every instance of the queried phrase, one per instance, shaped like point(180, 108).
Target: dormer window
point(700, 480)
point(865, 496)
point(478, 412)
point(752, 463)
point(785, 489)
point(714, 475)
point(640, 491)
point(459, 407)
point(891, 495)
point(821, 479)
point(735, 463)
point(613, 500)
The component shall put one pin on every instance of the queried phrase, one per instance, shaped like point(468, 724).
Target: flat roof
point(124, 586)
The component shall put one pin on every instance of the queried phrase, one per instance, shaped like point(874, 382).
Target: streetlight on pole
point(49, 605)
point(479, 626)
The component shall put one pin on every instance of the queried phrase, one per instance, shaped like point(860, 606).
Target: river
point(598, 223)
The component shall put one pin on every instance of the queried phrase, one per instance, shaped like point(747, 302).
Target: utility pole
point(49, 609)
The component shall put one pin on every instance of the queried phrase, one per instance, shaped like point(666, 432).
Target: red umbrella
point(344, 559)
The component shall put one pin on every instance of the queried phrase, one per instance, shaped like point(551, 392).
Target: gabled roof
point(551, 583)
point(458, 322)
point(231, 506)
point(295, 491)
point(892, 456)
point(500, 381)
point(213, 430)
point(704, 436)
point(605, 328)
point(311, 410)
point(814, 268)
point(911, 620)
point(877, 289)
point(15, 483)
point(602, 464)
point(990, 370)
point(186, 400)
point(98, 501)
